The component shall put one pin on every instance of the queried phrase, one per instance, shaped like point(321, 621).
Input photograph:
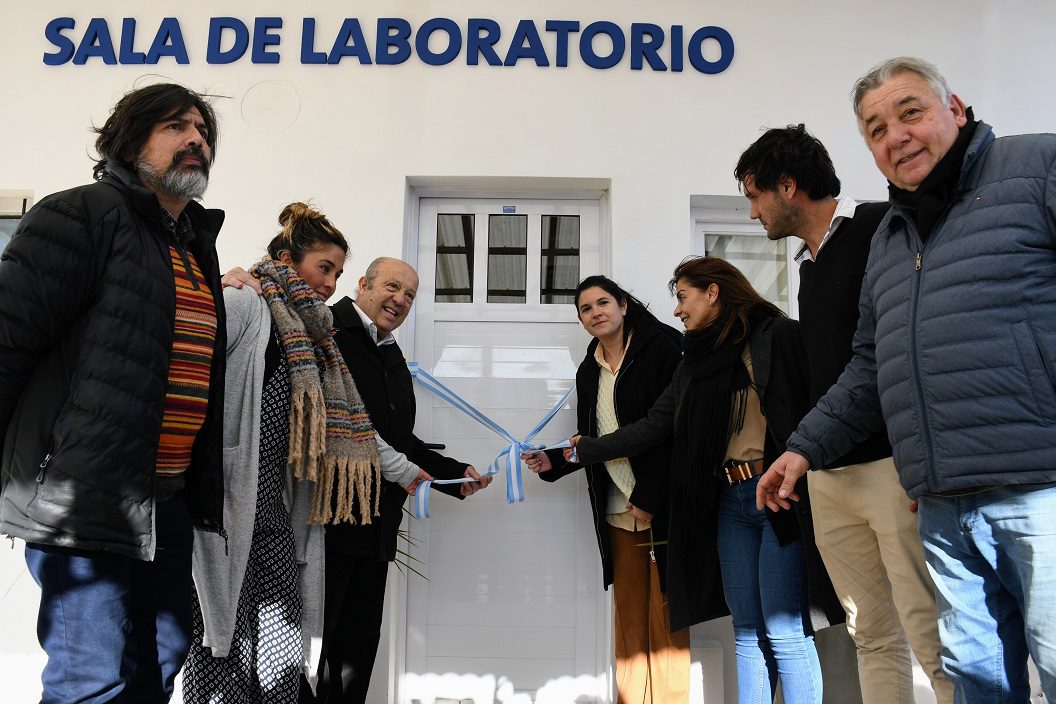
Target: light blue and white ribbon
point(510, 458)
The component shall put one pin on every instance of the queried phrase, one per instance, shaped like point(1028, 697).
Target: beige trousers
point(652, 663)
point(869, 542)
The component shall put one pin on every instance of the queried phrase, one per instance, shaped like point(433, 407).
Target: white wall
point(359, 131)
point(349, 136)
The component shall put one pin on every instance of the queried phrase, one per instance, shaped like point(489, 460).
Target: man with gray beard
point(112, 336)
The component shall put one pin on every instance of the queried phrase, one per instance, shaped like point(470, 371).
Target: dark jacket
point(781, 378)
point(387, 390)
point(829, 288)
point(647, 367)
point(87, 305)
point(956, 345)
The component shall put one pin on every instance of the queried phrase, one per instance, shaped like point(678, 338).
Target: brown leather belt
point(740, 470)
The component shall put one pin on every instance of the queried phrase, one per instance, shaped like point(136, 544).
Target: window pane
point(507, 231)
point(454, 258)
point(454, 231)
point(761, 260)
point(7, 228)
point(507, 258)
point(559, 266)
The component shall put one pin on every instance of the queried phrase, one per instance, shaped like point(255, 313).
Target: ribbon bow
point(510, 457)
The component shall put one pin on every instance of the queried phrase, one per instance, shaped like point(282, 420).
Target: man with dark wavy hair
point(111, 384)
point(864, 530)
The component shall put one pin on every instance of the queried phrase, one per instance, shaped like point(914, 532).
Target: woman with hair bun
point(628, 365)
point(299, 453)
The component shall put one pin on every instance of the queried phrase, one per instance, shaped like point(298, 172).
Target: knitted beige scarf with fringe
point(332, 441)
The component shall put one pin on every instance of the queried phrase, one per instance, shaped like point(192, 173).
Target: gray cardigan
point(219, 566)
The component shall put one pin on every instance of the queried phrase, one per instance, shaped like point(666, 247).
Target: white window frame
point(728, 215)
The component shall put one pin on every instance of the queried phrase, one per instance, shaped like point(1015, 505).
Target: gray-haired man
point(956, 351)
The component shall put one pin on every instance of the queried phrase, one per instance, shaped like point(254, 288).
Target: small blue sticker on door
point(509, 209)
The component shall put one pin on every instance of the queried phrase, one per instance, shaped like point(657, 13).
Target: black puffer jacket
point(651, 359)
point(87, 303)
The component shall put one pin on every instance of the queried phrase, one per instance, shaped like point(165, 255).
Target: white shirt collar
point(845, 207)
point(372, 329)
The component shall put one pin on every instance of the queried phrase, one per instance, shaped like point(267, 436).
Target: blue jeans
point(115, 629)
point(766, 591)
point(992, 556)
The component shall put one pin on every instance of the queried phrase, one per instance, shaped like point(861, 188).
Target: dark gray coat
point(956, 343)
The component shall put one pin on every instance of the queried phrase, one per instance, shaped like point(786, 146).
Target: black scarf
point(928, 202)
point(712, 409)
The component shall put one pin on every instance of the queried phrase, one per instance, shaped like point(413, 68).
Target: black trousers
point(355, 597)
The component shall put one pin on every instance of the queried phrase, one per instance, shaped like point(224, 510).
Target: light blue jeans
point(992, 556)
point(765, 589)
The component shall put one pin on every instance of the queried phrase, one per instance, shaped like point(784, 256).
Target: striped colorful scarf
point(331, 438)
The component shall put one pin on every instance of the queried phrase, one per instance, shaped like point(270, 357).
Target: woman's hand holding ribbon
point(570, 452)
point(537, 461)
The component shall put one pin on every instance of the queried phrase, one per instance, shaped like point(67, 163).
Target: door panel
point(513, 608)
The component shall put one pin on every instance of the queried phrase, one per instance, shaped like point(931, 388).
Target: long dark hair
point(637, 312)
point(738, 300)
point(127, 129)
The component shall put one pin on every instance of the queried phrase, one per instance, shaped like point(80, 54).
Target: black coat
point(782, 381)
point(829, 289)
point(646, 370)
point(387, 390)
point(87, 303)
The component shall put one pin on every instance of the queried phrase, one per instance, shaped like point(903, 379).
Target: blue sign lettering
point(586, 44)
point(526, 32)
point(350, 42)
point(696, 49)
point(263, 38)
point(308, 53)
point(454, 41)
point(96, 43)
point(676, 49)
point(648, 49)
point(438, 41)
point(387, 39)
point(562, 28)
point(128, 36)
point(168, 42)
point(54, 34)
point(480, 41)
point(214, 53)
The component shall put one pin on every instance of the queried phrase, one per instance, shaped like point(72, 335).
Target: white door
point(513, 609)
